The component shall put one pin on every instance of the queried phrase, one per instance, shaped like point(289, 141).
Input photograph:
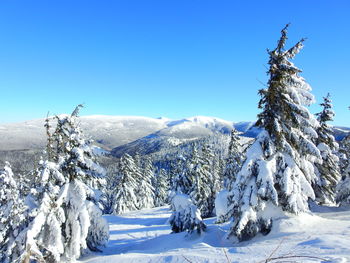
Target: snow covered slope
point(144, 236)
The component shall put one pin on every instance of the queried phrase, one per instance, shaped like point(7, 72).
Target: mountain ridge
point(114, 131)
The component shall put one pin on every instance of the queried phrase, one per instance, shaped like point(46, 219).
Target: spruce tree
point(344, 156)
point(145, 193)
point(124, 196)
point(278, 172)
point(112, 181)
point(234, 160)
point(180, 183)
point(213, 177)
point(343, 187)
point(186, 216)
point(343, 191)
point(161, 188)
point(202, 181)
point(328, 174)
point(12, 217)
point(64, 221)
point(78, 165)
point(44, 237)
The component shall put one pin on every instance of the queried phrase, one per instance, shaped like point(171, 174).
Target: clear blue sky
point(174, 58)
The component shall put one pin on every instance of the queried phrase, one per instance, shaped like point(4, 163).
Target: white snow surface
point(145, 236)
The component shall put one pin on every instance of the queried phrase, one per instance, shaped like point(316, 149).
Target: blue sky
point(164, 58)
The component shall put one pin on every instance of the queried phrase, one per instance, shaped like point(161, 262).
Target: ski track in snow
point(145, 236)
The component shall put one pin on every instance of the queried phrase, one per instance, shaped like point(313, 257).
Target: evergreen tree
point(344, 156)
point(234, 160)
point(145, 193)
point(137, 160)
point(213, 177)
point(49, 144)
point(343, 188)
point(108, 195)
point(278, 172)
point(78, 165)
point(186, 215)
point(124, 196)
point(44, 238)
point(343, 192)
point(12, 217)
point(327, 172)
point(180, 183)
point(64, 221)
point(161, 188)
point(202, 181)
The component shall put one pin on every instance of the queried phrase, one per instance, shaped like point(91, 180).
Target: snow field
point(145, 236)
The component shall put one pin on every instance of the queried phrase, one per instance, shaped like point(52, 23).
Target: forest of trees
point(53, 213)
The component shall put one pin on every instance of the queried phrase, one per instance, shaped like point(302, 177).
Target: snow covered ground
point(144, 236)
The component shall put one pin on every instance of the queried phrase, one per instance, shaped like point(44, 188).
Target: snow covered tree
point(24, 183)
point(214, 177)
point(234, 160)
point(327, 172)
point(202, 181)
point(343, 192)
point(43, 239)
point(221, 207)
point(278, 171)
point(145, 193)
point(12, 217)
point(124, 196)
point(64, 221)
point(109, 189)
point(161, 188)
point(343, 188)
point(50, 141)
point(186, 215)
point(180, 183)
point(344, 156)
point(78, 165)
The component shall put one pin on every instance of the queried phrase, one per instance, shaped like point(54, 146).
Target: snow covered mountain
point(108, 131)
point(129, 133)
point(112, 131)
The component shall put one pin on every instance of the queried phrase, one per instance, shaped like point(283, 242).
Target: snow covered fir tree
point(84, 227)
point(13, 218)
point(278, 172)
point(186, 215)
point(328, 172)
point(179, 180)
point(234, 160)
point(63, 221)
point(124, 197)
point(145, 193)
point(343, 187)
point(202, 181)
point(161, 188)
